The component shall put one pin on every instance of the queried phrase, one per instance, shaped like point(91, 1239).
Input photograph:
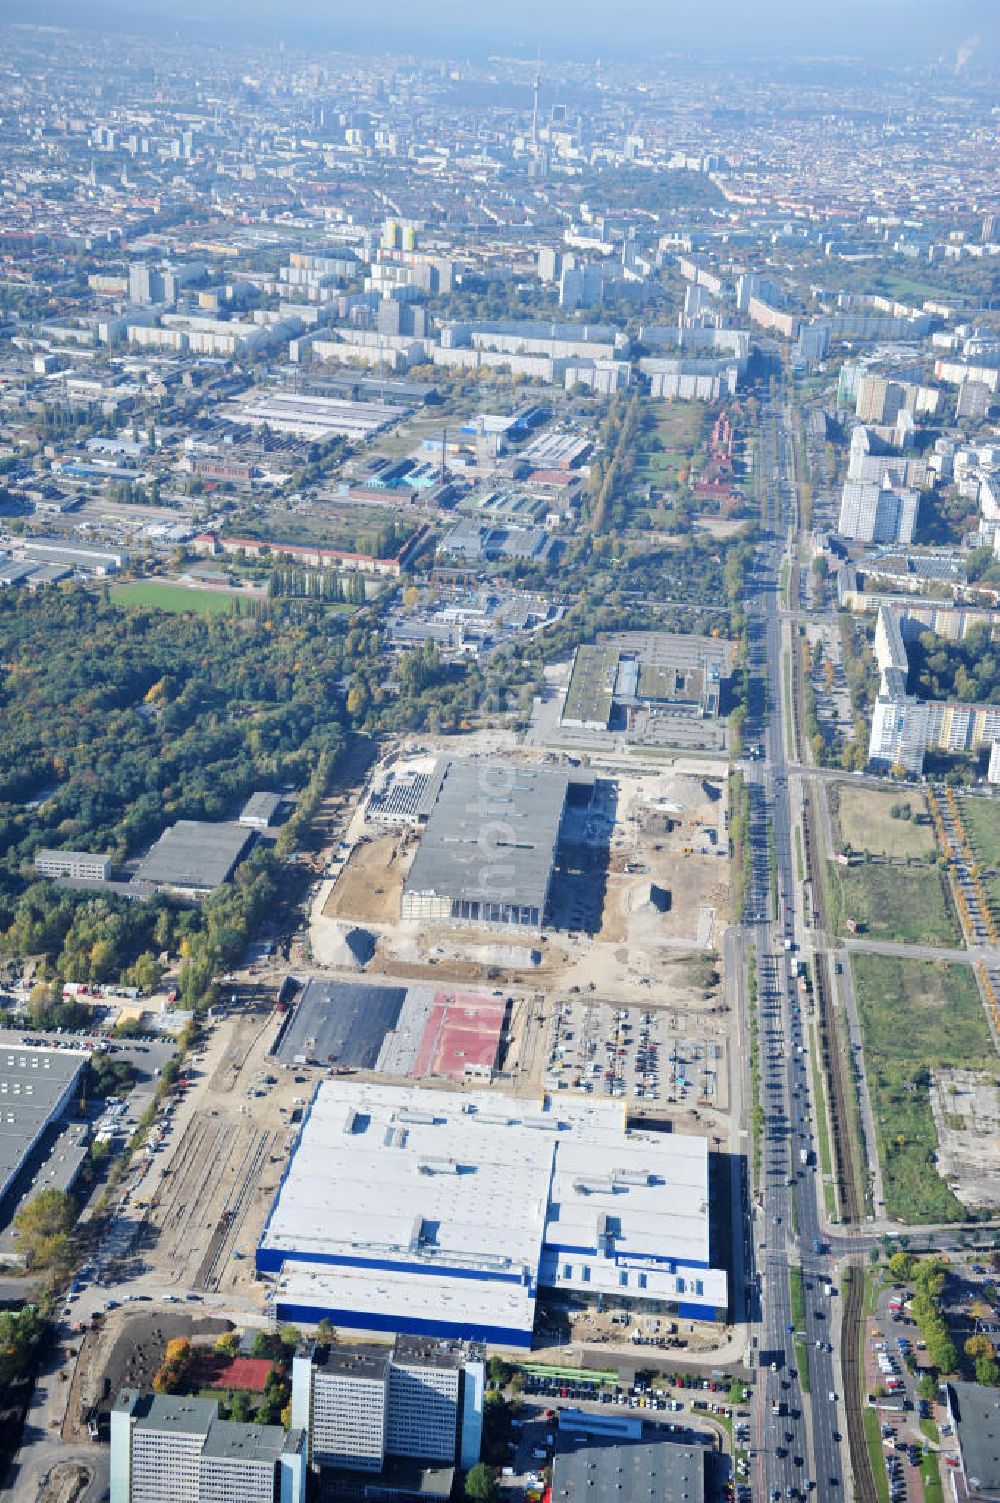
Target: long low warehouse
point(405, 1209)
point(36, 1086)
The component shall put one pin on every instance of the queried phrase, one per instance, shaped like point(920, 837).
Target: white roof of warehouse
point(407, 1174)
point(406, 1296)
point(377, 1165)
point(655, 1185)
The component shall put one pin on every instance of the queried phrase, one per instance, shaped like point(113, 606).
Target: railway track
point(850, 1201)
point(210, 1271)
point(852, 1373)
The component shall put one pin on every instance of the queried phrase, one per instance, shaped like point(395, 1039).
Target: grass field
point(908, 905)
point(171, 597)
point(981, 818)
point(671, 433)
point(867, 825)
point(915, 1015)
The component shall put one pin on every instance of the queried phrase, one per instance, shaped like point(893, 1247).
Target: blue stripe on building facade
point(406, 1325)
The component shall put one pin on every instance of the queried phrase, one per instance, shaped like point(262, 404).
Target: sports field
point(173, 597)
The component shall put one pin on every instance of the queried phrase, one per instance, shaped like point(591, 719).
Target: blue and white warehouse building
point(412, 1210)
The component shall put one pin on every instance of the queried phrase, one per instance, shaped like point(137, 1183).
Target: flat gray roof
point(341, 1022)
point(261, 806)
point(32, 1083)
point(172, 1413)
point(976, 1412)
point(226, 1440)
point(491, 834)
point(233, 1441)
point(194, 854)
point(354, 1361)
point(589, 1466)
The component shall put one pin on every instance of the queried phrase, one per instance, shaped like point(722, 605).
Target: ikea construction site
point(491, 1094)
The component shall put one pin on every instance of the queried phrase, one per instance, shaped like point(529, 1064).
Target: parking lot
point(535, 1425)
point(631, 1052)
point(913, 1429)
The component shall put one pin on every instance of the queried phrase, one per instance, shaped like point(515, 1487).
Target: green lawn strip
point(872, 1424)
point(822, 1130)
point(857, 1147)
point(907, 905)
point(930, 1429)
point(916, 1015)
point(789, 722)
point(800, 865)
point(798, 1297)
point(783, 583)
point(930, 1477)
point(873, 1439)
point(981, 818)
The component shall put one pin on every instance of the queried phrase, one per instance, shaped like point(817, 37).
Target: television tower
point(534, 105)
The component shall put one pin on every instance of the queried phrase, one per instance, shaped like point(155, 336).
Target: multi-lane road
point(800, 1419)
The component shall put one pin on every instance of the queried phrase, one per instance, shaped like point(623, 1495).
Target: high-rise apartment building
point(174, 1449)
point(873, 513)
point(420, 1399)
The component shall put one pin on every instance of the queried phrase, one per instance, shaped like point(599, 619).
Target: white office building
point(175, 1449)
point(360, 1405)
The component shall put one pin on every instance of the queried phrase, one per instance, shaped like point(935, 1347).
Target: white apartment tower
point(421, 1399)
point(174, 1449)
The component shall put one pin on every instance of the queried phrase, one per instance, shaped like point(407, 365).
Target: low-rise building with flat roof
point(36, 1086)
point(193, 856)
point(974, 1411)
point(588, 1466)
point(488, 850)
point(81, 865)
point(260, 811)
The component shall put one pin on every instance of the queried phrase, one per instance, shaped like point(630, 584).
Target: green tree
point(481, 1483)
point(43, 1229)
point(499, 1371)
point(901, 1266)
point(240, 1408)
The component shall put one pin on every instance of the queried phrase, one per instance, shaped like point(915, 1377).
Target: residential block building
point(176, 1449)
point(361, 1405)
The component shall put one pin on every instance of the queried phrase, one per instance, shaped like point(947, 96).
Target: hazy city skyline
point(965, 30)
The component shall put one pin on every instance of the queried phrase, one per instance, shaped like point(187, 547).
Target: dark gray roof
point(194, 854)
point(400, 1476)
point(418, 1351)
point(976, 1413)
point(665, 1470)
point(369, 1362)
point(492, 833)
point(261, 806)
point(31, 1084)
point(341, 1022)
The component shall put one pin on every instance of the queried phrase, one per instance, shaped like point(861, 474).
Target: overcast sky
point(903, 29)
